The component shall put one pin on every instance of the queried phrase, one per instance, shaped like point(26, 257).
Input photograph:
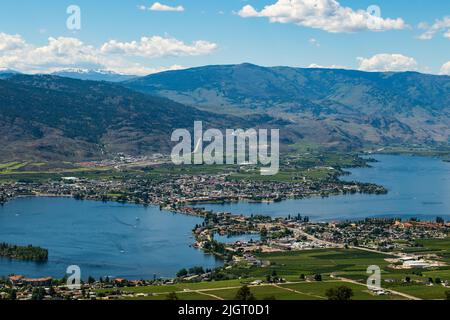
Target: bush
point(244, 294)
point(341, 293)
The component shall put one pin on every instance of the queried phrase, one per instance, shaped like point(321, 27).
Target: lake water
point(236, 238)
point(103, 239)
point(135, 242)
point(418, 187)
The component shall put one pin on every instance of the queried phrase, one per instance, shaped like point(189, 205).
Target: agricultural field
point(227, 290)
point(292, 265)
point(337, 267)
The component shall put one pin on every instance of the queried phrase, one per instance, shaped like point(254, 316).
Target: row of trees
point(29, 253)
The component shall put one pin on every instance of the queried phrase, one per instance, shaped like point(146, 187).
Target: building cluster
point(379, 234)
point(298, 233)
point(18, 287)
point(174, 190)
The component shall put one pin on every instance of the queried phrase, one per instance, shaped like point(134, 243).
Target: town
point(394, 242)
point(390, 237)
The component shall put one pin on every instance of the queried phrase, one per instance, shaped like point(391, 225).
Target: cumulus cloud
point(387, 62)
point(440, 25)
point(157, 47)
point(157, 6)
point(327, 15)
point(445, 69)
point(66, 52)
point(10, 42)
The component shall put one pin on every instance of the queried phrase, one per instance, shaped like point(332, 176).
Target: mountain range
point(6, 73)
point(327, 106)
point(54, 118)
point(63, 118)
point(93, 75)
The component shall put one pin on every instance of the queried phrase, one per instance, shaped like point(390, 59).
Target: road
point(207, 291)
point(408, 296)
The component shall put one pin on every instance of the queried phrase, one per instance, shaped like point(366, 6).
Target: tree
point(91, 280)
point(244, 294)
point(263, 234)
point(339, 293)
point(172, 296)
point(318, 277)
point(182, 273)
point(38, 294)
point(51, 291)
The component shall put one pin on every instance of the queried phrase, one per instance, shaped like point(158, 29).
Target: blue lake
point(236, 238)
point(135, 242)
point(418, 187)
point(103, 239)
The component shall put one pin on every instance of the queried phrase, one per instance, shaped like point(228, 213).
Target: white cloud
point(65, 52)
point(447, 34)
point(327, 15)
point(387, 62)
point(440, 25)
point(158, 47)
point(445, 69)
point(333, 66)
point(10, 42)
point(157, 6)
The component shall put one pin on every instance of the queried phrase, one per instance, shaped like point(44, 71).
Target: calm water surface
point(103, 239)
point(136, 242)
point(418, 187)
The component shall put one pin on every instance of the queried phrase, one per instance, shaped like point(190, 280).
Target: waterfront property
point(418, 187)
point(133, 241)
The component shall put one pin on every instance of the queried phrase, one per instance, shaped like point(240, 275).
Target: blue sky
point(218, 32)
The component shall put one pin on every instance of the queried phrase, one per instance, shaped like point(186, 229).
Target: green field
point(337, 267)
point(227, 290)
point(422, 291)
point(318, 289)
point(293, 264)
point(266, 292)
